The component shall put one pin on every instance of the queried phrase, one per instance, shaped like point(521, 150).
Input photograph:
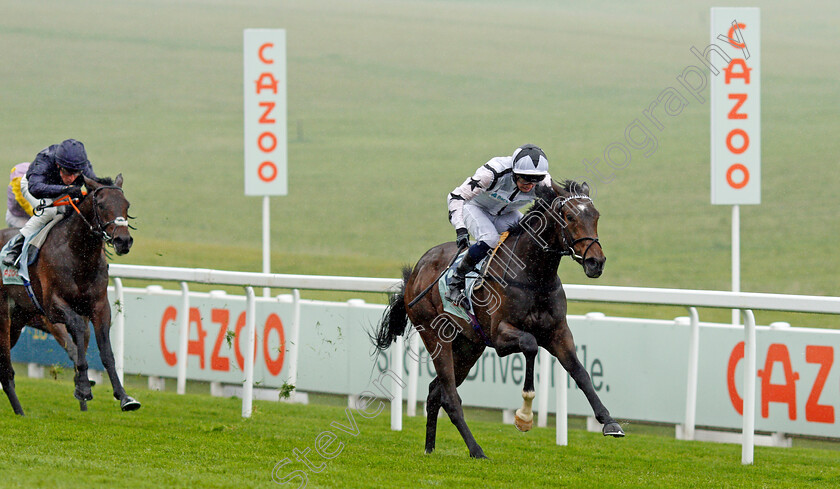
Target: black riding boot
point(457, 283)
point(15, 249)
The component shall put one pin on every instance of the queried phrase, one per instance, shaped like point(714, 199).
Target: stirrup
point(456, 296)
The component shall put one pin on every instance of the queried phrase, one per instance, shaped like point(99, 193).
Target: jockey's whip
point(426, 291)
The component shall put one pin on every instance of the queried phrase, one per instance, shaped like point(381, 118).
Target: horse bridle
point(568, 241)
point(102, 226)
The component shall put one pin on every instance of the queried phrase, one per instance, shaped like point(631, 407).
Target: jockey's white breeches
point(486, 227)
point(41, 218)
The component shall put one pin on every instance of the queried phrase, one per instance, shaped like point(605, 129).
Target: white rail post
point(294, 339)
point(413, 372)
point(118, 338)
point(250, 330)
point(748, 432)
point(562, 416)
point(184, 335)
point(542, 388)
point(691, 381)
point(397, 350)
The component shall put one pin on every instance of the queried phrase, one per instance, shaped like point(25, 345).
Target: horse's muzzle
point(594, 267)
point(122, 245)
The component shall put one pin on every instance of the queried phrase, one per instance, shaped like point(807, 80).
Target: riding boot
point(15, 249)
point(457, 283)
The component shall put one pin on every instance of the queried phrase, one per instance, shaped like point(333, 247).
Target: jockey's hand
point(73, 191)
point(463, 238)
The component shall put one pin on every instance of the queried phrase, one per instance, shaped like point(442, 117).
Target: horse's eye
point(570, 217)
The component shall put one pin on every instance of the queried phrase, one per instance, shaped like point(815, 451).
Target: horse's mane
point(545, 196)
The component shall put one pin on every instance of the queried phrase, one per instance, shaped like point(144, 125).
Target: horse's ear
point(118, 180)
point(584, 187)
point(91, 184)
point(559, 190)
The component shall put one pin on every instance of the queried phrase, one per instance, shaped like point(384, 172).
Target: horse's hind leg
point(77, 329)
point(562, 346)
point(445, 368)
point(433, 403)
point(7, 373)
point(467, 354)
point(102, 328)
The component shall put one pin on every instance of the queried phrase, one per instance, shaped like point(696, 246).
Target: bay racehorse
point(69, 281)
point(520, 307)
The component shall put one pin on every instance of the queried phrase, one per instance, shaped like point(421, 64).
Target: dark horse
point(521, 307)
point(70, 281)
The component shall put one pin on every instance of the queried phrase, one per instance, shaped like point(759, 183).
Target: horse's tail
point(395, 318)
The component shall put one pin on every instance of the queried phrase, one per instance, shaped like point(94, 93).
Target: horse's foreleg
point(102, 328)
point(562, 346)
point(508, 339)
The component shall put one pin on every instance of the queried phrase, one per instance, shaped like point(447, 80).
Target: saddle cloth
point(31, 247)
point(472, 278)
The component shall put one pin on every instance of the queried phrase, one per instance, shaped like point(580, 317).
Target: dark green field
point(391, 105)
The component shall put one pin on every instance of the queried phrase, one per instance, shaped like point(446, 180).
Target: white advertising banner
point(265, 112)
point(638, 366)
point(734, 60)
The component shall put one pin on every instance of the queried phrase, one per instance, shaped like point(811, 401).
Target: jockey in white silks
point(488, 203)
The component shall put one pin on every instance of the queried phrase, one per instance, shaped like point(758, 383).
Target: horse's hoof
point(478, 454)
point(83, 397)
point(522, 425)
point(613, 429)
point(129, 404)
point(83, 405)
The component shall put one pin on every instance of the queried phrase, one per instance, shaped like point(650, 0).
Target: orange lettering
point(271, 45)
point(170, 314)
point(783, 393)
point(734, 114)
point(217, 362)
point(736, 356)
point(269, 106)
point(240, 359)
point(196, 347)
point(731, 73)
point(745, 141)
point(819, 413)
point(267, 81)
point(272, 142)
point(274, 365)
point(745, 176)
point(731, 36)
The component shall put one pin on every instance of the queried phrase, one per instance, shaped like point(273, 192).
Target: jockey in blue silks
point(488, 203)
point(56, 171)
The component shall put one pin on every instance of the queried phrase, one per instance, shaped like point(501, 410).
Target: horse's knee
point(433, 385)
point(528, 345)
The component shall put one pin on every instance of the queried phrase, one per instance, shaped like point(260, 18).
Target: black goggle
point(531, 178)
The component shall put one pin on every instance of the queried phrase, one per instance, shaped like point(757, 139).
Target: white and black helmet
point(529, 160)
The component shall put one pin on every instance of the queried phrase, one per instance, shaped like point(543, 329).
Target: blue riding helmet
point(71, 155)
